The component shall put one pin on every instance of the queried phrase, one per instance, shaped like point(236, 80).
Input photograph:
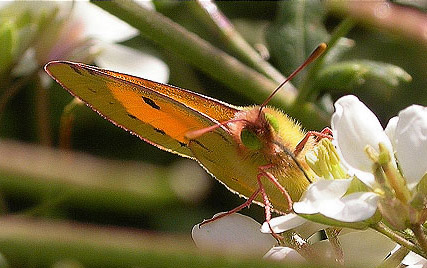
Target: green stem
point(11, 91)
point(196, 51)
point(44, 132)
point(214, 62)
point(306, 90)
point(420, 236)
point(41, 243)
point(295, 241)
point(382, 228)
point(96, 182)
point(48, 204)
point(66, 124)
point(234, 41)
point(332, 234)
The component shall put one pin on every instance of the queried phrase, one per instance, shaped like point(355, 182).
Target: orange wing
point(159, 114)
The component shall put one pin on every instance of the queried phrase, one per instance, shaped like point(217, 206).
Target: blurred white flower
point(107, 30)
point(366, 248)
point(284, 254)
point(101, 25)
point(83, 32)
point(131, 61)
point(233, 234)
point(413, 260)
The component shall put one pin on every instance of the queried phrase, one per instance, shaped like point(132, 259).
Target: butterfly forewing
point(138, 105)
point(215, 109)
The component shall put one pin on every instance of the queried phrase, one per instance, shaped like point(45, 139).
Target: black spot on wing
point(182, 144)
point(132, 116)
point(201, 145)
point(92, 90)
point(76, 70)
point(159, 131)
point(223, 137)
point(111, 102)
point(151, 103)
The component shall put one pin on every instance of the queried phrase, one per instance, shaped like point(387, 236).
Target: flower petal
point(235, 234)
point(131, 61)
point(390, 130)
point(354, 207)
point(414, 260)
point(354, 127)
point(411, 143)
point(283, 254)
point(370, 244)
point(320, 194)
point(100, 24)
point(283, 223)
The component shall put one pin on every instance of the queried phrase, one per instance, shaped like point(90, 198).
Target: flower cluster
point(367, 177)
point(391, 163)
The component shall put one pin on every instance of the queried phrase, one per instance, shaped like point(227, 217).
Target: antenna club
point(314, 55)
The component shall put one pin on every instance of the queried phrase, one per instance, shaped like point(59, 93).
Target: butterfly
point(257, 152)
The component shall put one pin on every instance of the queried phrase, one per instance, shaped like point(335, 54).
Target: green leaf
point(345, 76)
point(297, 30)
point(7, 36)
point(24, 19)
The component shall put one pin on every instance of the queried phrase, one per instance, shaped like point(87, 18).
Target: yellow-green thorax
point(255, 139)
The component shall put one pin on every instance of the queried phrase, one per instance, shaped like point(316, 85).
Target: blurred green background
point(87, 171)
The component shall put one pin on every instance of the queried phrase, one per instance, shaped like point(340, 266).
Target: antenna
point(314, 55)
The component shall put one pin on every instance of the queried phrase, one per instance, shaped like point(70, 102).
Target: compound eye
point(250, 139)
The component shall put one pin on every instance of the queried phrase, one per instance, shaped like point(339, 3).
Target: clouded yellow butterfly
point(257, 151)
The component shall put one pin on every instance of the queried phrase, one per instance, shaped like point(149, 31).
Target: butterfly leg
point(267, 205)
point(273, 179)
point(234, 210)
point(325, 133)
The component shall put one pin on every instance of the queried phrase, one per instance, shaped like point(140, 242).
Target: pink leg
point(234, 210)
point(266, 201)
point(325, 133)
point(277, 184)
point(267, 207)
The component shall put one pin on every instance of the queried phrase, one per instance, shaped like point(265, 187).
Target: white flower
point(370, 244)
point(283, 223)
point(292, 221)
point(233, 234)
point(326, 197)
point(354, 128)
point(408, 133)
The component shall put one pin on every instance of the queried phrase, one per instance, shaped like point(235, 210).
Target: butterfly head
point(254, 129)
